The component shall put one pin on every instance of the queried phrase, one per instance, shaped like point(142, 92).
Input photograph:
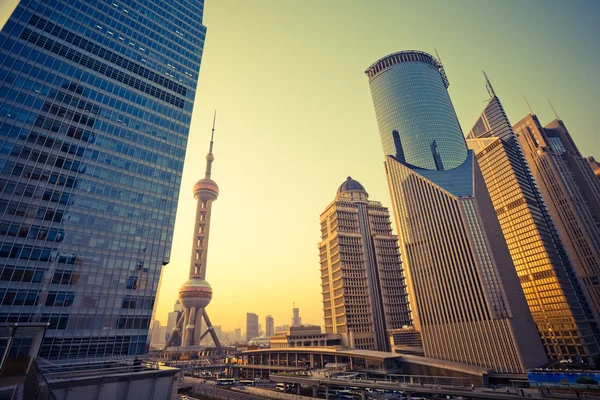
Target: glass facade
point(559, 308)
point(415, 115)
point(95, 109)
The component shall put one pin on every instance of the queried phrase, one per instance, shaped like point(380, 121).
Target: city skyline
point(252, 96)
point(281, 98)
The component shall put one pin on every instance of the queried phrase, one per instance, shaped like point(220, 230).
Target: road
point(209, 389)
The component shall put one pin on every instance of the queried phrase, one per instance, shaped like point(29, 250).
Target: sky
point(295, 118)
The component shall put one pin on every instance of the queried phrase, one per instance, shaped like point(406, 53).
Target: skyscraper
point(465, 295)
point(251, 326)
point(571, 192)
point(172, 319)
point(270, 326)
point(364, 293)
point(95, 108)
point(557, 304)
point(296, 319)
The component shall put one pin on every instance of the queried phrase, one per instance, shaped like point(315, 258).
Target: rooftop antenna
point(438, 56)
point(209, 157)
point(488, 85)
point(525, 98)
point(555, 113)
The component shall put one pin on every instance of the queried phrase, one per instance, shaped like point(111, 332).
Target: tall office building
point(172, 319)
point(251, 326)
point(364, 293)
point(571, 192)
point(557, 304)
point(96, 100)
point(270, 326)
point(296, 319)
point(466, 299)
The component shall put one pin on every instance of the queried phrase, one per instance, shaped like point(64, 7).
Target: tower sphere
point(196, 293)
point(206, 188)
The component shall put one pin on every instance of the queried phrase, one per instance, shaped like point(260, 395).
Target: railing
point(100, 366)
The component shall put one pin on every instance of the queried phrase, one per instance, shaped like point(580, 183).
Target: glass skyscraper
point(560, 309)
point(95, 108)
point(463, 288)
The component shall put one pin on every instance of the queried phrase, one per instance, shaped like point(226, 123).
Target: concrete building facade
point(465, 295)
point(364, 292)
point(572, 194)
point(558, 306)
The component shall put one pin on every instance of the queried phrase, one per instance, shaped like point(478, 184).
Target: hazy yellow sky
point(295, 117)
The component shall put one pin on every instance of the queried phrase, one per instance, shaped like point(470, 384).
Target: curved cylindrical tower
point(416, 118)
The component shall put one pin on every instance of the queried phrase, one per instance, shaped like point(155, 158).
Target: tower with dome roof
point(196, 293)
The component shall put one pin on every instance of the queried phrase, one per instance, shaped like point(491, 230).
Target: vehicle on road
point(247, 382)
point(225, 382)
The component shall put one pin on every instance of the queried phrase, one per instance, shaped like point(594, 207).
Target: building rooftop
point(350, 184)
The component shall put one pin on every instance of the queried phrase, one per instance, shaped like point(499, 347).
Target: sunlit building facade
point(558, 306)
point(595, 165)
point(96, 101)
point(363, 286)
point(572, 193)
point(465, 295)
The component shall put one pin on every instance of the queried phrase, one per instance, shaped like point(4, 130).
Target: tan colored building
point(305, 336)
point(572, 193)
point(595, 165)
point(545, 271)
point(364, 293)
point(465, 295)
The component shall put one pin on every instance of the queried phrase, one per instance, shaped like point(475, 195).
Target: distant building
point(305, 336)
point(364, 292)
point(572, 194)
point(270, 326)
point(172, 319)
point(158, 334)
point(282, 328)
point(260, 341)
point(251, 326)
point(466, 298)
point(296, 320)
point(533, 242)
point(237, 335)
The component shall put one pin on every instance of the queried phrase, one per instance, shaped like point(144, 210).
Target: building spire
point(438, 56)
point(488, 85)
point(209, 157)
point(525, 98)
point(555, 113)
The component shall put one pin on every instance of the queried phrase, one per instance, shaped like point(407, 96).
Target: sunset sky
point(295, 118)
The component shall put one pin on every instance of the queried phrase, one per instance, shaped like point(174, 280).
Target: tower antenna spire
point(209, 157)
point(438, 56)
point(488, 85)
point(525, 98)
point(555, 113)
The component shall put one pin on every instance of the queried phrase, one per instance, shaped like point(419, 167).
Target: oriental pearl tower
point(195, 293)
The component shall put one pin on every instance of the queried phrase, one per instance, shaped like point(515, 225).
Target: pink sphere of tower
point(206, 188)
point(196, 293)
